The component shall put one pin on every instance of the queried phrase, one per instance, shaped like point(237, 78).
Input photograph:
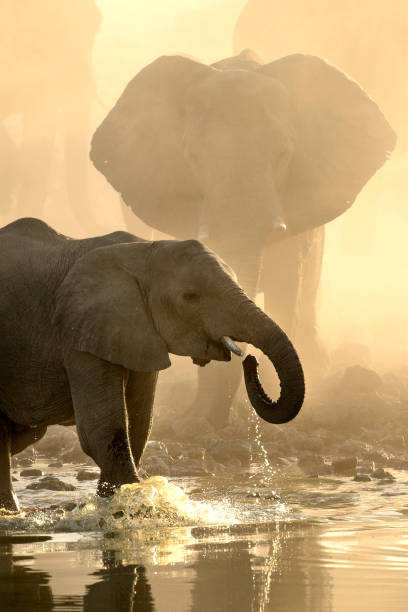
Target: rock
point(51, 484)
point(272, 433)
point(192, 427)
point(357, 379)
point(379, 458)
point(24, 462)
point(87, 475)
point(155, 448)
point(365, 467)
point(31, 472)
point(224, 450)
point(69, 506)
point(174, 449)
point(238, 430)
point(353, 447)
point(398, 463)
point(55, 464)
point(362, 478)
point(395, 442)
point(188, 467)
point(346, 467)
point(156, 466)
point(381, 474)
point(234, 463)
point(119, 514)
point(195, 452)
point(314, 464)
point(75, 454)
point(57, 439)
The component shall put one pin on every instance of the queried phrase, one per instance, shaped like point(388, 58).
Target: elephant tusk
point(231, 346)
point(279, 226)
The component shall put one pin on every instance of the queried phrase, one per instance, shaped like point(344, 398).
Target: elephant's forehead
point(202, 269)
point(236, 88)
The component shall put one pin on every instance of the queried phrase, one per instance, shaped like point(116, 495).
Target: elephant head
point(240, 148)
point(134, 303)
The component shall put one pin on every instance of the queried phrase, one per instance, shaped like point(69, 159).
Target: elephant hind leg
point(8, 499)
point(25, 436)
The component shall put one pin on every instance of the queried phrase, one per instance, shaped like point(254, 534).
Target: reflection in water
point(120, 588)
point(263, 571)
point(277, 567)
point(20, 586)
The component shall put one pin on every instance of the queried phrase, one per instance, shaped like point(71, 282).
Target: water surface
point(244, 542)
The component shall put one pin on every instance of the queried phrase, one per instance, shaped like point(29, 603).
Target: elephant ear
point(101, 308)
point(139, 145)
point(342, 140)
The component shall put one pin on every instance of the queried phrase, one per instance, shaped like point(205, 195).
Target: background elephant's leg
point(98, 395)
point(217, 386)
point(37, 146)
point(290, 281)
point(25, 436)
point(279, 283)
point(8, 498)
point(306, 330)
point(218, 383)
point(139, 392)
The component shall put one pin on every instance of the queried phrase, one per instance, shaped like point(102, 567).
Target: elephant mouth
point(218, 351)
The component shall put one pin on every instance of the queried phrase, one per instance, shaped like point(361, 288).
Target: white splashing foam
point(152, 502)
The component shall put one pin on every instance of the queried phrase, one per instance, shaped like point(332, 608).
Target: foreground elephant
point(85, 325)
point(253, 159)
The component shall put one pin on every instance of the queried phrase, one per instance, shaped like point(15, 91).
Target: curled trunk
point(274, 343)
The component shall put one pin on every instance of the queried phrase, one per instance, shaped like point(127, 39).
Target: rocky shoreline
point(356, 426)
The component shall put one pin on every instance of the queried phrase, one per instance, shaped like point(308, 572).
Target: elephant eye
point(191, 296)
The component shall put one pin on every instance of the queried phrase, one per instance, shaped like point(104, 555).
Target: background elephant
point(252, 161)
point(46, 78)
point(85, 326)
point(367, 39)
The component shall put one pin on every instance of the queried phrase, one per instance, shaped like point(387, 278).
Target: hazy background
point(363, 298)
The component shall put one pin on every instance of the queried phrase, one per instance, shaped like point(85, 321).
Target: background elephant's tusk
point(279, 226)
point(230, 345)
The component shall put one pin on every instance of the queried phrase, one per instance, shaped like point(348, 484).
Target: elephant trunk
point(273, 342)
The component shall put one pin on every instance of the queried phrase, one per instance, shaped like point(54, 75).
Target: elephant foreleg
point(140, 389)
point(8, 498)
point(98, 395)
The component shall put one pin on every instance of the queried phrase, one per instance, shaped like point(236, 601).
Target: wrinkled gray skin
point(253, 159)
point(85, 326)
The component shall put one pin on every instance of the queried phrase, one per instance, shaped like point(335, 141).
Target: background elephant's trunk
point(273, 342)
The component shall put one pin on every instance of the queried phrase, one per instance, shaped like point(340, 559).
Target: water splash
point(154, 502)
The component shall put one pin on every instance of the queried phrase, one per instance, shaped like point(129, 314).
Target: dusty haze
point(363, 297)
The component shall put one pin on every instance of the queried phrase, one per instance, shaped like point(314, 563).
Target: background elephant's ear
point(139, 145)
point(342, 139)
point(100, 309)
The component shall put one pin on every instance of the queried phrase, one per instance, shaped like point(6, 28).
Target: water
point(260, 541)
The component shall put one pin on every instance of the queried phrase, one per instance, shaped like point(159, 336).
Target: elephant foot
point(9, 501)
point(107, 488)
